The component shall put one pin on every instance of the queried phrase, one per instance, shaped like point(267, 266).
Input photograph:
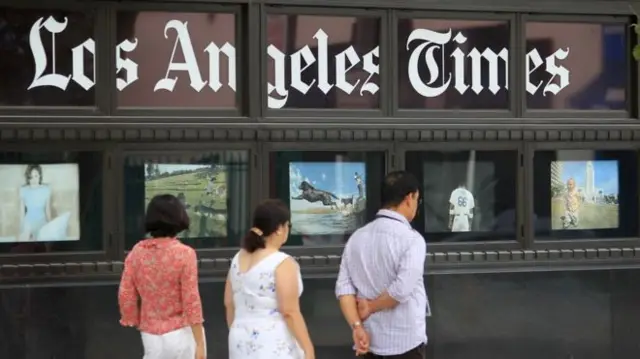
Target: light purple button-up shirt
point(388, 255)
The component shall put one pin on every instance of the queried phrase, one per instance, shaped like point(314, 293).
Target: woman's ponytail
point(253, 240)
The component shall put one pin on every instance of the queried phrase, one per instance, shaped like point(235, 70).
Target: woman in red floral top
point(162, 273)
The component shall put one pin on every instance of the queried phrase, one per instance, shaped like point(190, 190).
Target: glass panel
point(51, 202)
point(323, 62)
point(173, 59)
point(559, 78)
point(330, 194)
point(466, 195)
point(453, 64)
point(47, 58)
point(213, 186)
point(582, 194)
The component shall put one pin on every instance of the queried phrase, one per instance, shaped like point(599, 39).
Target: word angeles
point(427, 49)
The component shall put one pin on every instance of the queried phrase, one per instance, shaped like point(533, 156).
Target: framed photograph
point(327, 197)
point(584, 195)
point(468, 195)
point(214, 187)
point(202, 189)
point(330, 193)
point(41, 202)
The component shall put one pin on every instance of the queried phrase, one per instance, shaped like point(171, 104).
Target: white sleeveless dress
point(259, 331)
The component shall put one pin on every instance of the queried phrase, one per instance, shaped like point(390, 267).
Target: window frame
point(195, 114)
point(327, 115)
point(169, 148)
point(475, 115)
point(586, 7)
point(601, 115)
point(386, 147)
point(532, 242)
point(74, 114)
point(109, 243)
point(471, 246)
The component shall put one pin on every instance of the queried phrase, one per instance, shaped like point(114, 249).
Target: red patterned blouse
point(163, 274)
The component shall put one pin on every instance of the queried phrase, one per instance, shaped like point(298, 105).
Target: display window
point(467, 195)
point(585, 194)
point(51, 202)
point(330, 193)
point(213, 186)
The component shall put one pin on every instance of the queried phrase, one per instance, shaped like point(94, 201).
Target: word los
point(422, 55)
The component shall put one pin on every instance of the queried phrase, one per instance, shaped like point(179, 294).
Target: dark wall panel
point(590, 314)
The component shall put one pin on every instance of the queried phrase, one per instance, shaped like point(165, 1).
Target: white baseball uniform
point(463, 203)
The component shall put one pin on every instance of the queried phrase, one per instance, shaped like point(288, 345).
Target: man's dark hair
point(166, 217)
point(396, 186)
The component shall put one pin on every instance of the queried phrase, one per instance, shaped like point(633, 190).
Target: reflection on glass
point(330, 194)
point(559, 76)
point(18, 71)
point(322, 62)
point(214, 188)
point(470, 71)
point(467, 195)
point(173, 59)
point(581, 194)
point(50, 202)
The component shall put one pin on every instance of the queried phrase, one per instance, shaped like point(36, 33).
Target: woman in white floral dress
point(262, 292)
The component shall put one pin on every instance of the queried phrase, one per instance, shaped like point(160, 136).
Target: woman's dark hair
point(31, 168)
point(396, 186)
point(267, 218)
point(166, 217)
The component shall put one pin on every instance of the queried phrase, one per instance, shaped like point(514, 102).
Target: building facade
point(531, 107)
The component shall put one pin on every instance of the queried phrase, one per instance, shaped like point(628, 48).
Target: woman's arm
point(128, 296)
point(190, 295)
point(289, 304)
point(228, 302)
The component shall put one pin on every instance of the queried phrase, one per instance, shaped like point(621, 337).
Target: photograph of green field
point(591, 215)
point(201, 188)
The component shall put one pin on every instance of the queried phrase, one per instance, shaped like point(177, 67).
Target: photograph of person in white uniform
point(461, 205)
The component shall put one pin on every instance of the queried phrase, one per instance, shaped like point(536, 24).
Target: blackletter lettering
point(434, 39)
point(190, 64)
point(297, 68)
point(372, 69)
point(341, 69)
point(78, 63)
point(126, 64)
point(40, 56)
point(279, 87)
point(492, 59)
point(214, 65)
point(533, 61)
point(459, 65)
point(555, 70)
point(323, 62)
point(429, 42)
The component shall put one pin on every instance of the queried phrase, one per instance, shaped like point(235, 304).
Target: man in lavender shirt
point(380, 285)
